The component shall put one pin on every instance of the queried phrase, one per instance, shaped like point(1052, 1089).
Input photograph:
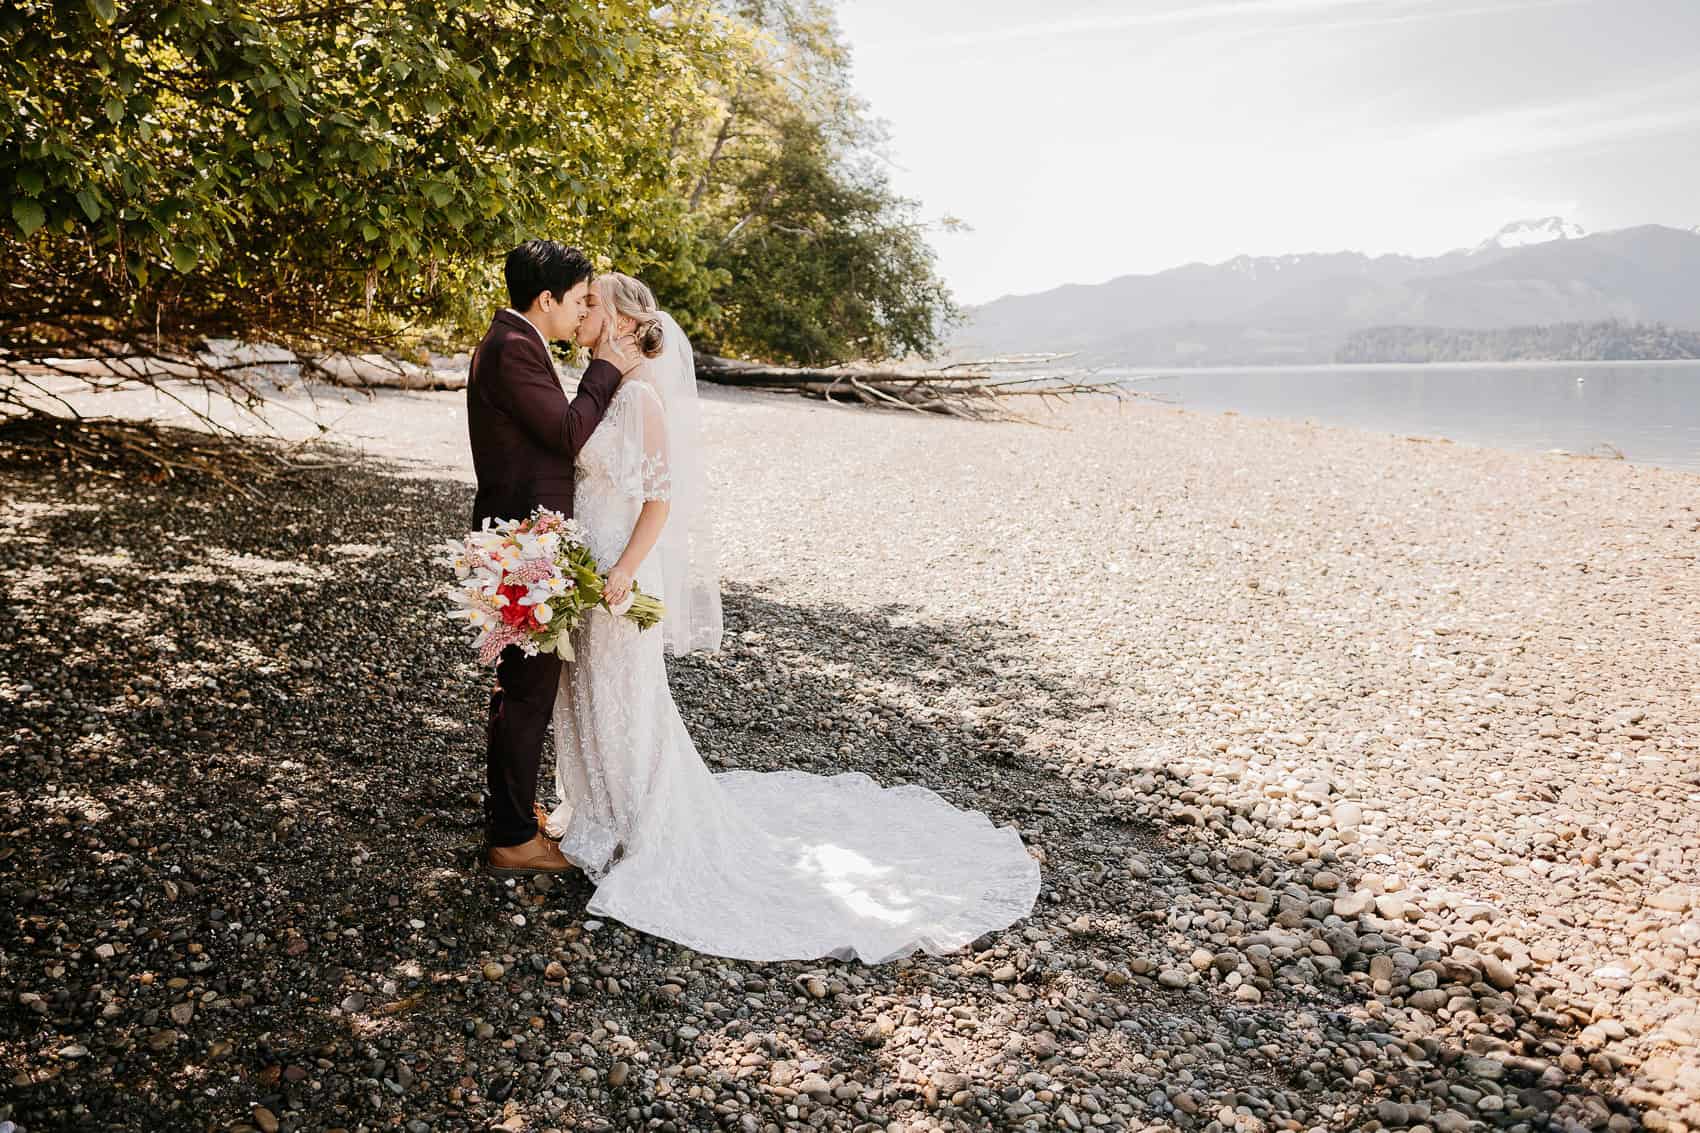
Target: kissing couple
point(784, 865)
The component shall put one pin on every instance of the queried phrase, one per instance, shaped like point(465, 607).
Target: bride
point(778, 866)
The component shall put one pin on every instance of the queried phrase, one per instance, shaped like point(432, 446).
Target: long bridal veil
point(690, 558)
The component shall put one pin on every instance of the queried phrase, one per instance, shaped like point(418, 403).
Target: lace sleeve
point(643, 468)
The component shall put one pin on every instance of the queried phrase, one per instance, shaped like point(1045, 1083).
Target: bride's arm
point(650, 479)
point(645, 532)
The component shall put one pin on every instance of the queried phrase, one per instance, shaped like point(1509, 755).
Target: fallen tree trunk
point(245, 368)
point(376, 371)
point(981, 390)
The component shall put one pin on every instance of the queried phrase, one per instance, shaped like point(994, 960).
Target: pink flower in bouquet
point(535, 570)
point(496, 639)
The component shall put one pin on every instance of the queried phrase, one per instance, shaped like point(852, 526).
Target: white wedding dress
point(778, 866)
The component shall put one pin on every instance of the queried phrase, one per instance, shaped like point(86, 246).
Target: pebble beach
point(1364, 773)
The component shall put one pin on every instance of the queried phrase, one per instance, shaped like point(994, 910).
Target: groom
point(525, 437)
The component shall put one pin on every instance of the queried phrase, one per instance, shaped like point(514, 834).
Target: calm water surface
point(1648, 410)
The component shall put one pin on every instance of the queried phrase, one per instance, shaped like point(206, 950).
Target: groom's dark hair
point(537, 266)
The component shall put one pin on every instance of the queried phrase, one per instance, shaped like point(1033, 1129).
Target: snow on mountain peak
point(1522, 233)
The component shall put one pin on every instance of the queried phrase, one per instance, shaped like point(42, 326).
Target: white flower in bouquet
point(528, 584)
point(460, 558)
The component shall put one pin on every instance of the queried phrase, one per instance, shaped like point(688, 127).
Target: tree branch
point(714, 154)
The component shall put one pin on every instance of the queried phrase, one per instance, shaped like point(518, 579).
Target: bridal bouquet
point(529, 582)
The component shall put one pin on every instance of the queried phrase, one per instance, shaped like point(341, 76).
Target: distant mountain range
point(1306, 308)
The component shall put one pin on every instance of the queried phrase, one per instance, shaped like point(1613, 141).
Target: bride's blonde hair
point(623, 295)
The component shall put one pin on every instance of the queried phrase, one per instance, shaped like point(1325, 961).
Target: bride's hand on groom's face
point(621, 350)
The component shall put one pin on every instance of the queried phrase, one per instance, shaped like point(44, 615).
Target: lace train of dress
point(778, 866)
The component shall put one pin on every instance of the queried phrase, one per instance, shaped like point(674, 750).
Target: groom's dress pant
point(519, 716)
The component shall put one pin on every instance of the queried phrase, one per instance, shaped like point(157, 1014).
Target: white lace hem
point(833, 867)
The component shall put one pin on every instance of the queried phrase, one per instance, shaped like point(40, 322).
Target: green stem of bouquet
point(645, 610)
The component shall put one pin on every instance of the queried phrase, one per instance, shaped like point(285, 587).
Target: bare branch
point(761, 206)
point(972, 394)
point(714, 154)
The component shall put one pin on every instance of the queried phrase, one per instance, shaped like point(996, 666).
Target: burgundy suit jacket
point(525, 433)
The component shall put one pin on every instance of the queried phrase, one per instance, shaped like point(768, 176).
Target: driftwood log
point(43, 423)
point(987, 389)
point(242, 370)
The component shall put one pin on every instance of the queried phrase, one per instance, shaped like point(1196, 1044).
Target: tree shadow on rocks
point(243, 751)
point(235, 737)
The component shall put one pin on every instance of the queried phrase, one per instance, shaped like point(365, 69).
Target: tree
point(332, 176)
point(316, 173)
point(1603, 341)
point(824, 263)
point(810, 256)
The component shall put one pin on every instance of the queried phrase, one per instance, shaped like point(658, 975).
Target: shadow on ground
point(241, 768)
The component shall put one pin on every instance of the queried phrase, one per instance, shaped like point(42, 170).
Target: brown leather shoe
point(540, 855)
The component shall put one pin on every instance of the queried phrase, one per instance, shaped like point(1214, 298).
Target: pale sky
point(1083, 140)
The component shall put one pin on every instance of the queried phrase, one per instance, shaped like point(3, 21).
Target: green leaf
point(195, 100)
point(29, 214)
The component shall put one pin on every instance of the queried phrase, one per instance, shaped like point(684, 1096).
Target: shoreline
point(1637, 415)
point(360, 413)
point(1344, 745)
point(1516, 364)
point(1441, 439)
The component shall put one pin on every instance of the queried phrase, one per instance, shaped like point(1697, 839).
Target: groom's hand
point(622, 351)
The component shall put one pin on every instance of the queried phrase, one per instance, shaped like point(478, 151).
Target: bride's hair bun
point(630, 297)
point(650, 337)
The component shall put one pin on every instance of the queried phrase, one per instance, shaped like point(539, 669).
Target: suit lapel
point(521, 326)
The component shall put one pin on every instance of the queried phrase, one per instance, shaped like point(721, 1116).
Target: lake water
point(1650, 411)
